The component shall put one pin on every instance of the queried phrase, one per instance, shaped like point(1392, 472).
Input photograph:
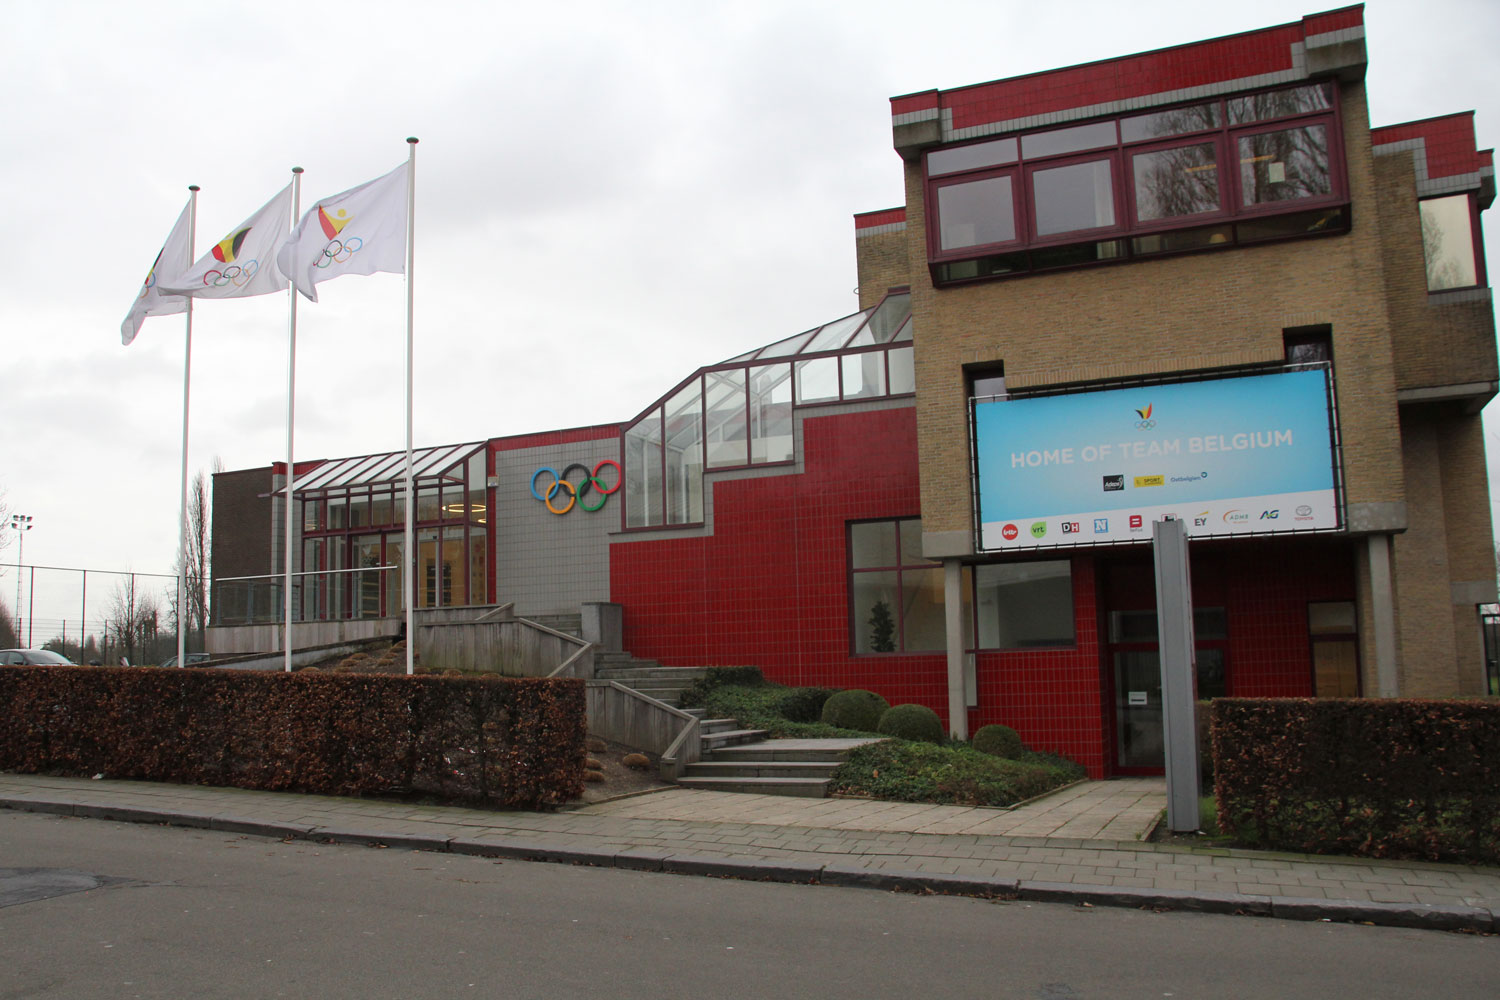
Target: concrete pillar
point(953, 611)
point(1383, 601)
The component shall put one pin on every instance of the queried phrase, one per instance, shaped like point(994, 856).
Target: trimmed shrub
point(855, 709)
point(803, 704)
point(912, 722)
point(636, 761)
point(999, 741)
point(958, 775)
point(509, 742)
point(1390, 777)
point(696, 694)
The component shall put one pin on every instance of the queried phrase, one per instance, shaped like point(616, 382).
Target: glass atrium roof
point(886, 323)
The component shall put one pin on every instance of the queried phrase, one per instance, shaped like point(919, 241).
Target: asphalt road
point(90, 908)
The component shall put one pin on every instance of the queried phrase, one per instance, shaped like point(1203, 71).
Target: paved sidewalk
point(1091, 810)
point(782, 847)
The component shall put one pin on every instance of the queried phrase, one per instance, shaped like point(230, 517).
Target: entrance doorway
point(1135, 660)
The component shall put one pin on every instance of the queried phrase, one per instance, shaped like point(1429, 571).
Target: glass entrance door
point(1136, 665)
point(1138, 734)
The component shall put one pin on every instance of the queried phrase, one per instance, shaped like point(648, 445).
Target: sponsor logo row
point(1134, 523)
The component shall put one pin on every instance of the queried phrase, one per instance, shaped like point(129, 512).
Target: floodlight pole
point(20, 523)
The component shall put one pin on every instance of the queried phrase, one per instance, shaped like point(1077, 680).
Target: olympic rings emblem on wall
point(590, 484)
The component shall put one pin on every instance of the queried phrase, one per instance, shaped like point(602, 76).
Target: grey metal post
point(1174, 624)
point(958, 702)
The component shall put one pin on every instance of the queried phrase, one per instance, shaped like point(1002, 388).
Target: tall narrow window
point(1448, 242)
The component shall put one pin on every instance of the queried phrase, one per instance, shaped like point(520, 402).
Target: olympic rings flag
point(359, 231)
point(239, 265)
point(149, 301)
point(575, 494)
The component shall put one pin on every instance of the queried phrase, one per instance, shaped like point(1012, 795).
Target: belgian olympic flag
point(242, 263)
point(359, 231)
point(150, 301)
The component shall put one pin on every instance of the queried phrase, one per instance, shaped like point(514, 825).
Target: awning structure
point(385, 469)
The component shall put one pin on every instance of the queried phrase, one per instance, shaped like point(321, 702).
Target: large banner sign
point(1230, 456)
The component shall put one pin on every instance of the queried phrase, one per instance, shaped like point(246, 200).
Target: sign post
point(1174, 624)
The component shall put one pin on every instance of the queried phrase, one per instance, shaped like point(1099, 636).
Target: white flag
point(242, 263)
point(360, 231)
point(151, 302)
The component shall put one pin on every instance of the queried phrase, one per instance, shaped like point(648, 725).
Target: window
point(895, 596)
point(1003, 207)
point(1307, 345)
point(1333, 632)
point(1448, 242)
point(1021, 605)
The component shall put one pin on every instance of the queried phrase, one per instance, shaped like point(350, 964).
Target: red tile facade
point(1448, 141)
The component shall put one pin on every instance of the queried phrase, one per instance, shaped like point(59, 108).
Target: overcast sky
point(608, 196)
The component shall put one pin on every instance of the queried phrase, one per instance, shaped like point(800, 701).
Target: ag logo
point(1269, 515)
point(1039, 529)
point(1009, 532)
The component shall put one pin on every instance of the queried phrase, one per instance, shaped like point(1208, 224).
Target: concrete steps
point(769, 767)
point(734, 759)
point(571, 624)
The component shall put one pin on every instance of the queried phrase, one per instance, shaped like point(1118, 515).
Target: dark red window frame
point(1225, 137)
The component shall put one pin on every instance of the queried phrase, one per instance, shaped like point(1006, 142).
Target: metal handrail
point(305, 572)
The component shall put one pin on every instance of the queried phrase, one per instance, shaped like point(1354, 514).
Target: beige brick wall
point(882, 264)
point(1470, 539)
point(1421, 567)
point(1436, 341)
point(1163, 315)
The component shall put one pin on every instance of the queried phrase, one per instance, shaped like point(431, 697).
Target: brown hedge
point(1387, 778)
point(499, 741)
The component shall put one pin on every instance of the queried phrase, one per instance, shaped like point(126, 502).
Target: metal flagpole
point(408, 585)
point(182, 523)
point(291, 408)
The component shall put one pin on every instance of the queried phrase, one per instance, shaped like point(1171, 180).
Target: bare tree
point(199, 553)
point(133, 621)
point(8, 637)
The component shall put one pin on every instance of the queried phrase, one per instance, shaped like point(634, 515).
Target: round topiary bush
point(855, 709)
point(999, 741)
point(803, 704)
point(912, 722)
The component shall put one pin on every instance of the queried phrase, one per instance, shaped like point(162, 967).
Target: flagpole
point(408, 584)
point(182, 522)
point(291, 409)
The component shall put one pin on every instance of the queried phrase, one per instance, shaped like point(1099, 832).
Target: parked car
point(33, 658)
point(192, 658)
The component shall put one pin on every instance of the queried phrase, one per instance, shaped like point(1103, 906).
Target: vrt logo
point(1070, 528)
point(1039, 529)
point(1269, 515)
